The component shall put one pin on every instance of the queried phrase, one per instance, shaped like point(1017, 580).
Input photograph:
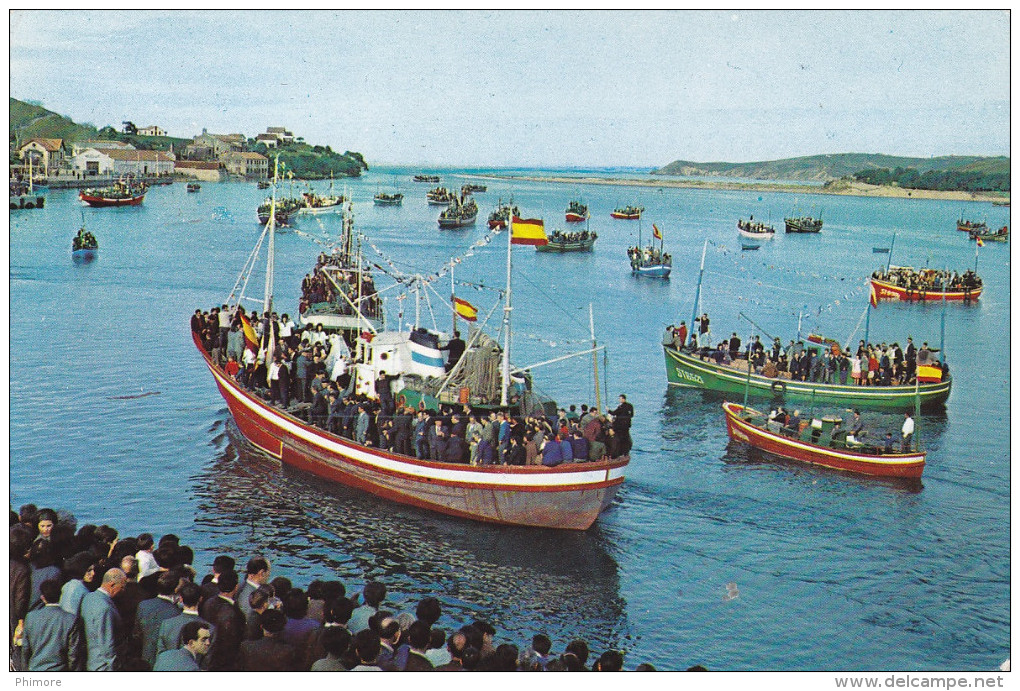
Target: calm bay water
point(114, 417)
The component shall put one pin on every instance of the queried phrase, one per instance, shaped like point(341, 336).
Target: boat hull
point(84, 255)
point(653, 271)
point(625, 217)
point(687, 370)
point(795, 226)
point(95, 200)
point(570, 496)
point(585, 246)
point(575, 218)
point(755, 236)
point(447, 223)
point(889, 291)
point(897, 465)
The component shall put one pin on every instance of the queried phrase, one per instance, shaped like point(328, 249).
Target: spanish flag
point(250, 338)
point(656, 233)
point(929, 374)
point(528, 231)
point(465, 310)
point(874, 296)
point(980, 242)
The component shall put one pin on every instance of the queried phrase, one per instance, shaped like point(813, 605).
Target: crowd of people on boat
point(854, 436)
point(649, 256)
point(90, 599)
point(317, 287)
point(562, 238)
point(753, 226)
point(297, 374)
point(928, 280)
point(84, 240)
point(823, 361)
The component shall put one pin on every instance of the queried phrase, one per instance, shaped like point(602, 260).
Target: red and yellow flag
point(980, 242)
point(656, 233)
point(528, 231)
point(465, 310)
point(250, 338)
point(929, 374)
point(874, 296)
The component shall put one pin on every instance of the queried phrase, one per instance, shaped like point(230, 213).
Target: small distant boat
point(1000, 203)
point(559, 241)
point(499, 217)
point(426, 178)
point(312, 203)
point(630, 213)
point(459, 214)
point(803, 224)
point(755, 229)
point(384, 199)
point(816, 443)
point(263, 184)
point(749, 245)
point(121, 193)
point(1001, 235)
point(471, 188)
point(651, 261)
point(440, 196)
point(23, 195)
point(285, 208)
point(972, 226)
point(84, 246)
point(576, 212)
point(194, 187)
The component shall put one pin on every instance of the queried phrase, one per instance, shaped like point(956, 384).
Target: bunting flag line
point(528, 231)
point(465, 310)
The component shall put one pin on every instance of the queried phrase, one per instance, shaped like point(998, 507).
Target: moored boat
point(630, 213)
point(263, 184)
point(472, 188)
point(285, 209)
point(559, 241)
point(576, 212)
point(426, 178)
point(803, 224)
point(121, 193)
point(925, 285)
point(819, 441)
point(194, 187)
point(384, 199)
point(755, 229)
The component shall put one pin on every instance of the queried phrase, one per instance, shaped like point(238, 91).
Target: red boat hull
point(93, 200)
point(569, 496)
point(575, 218)
point(627, 217)
point(904, 465)
point(888, 291)
point(497, 224)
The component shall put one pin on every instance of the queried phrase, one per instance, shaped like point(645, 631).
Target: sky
point(533, 88)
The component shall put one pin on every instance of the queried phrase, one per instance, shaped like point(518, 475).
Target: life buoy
point(778, 388)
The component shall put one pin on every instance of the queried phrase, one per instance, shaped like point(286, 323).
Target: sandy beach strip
point(856, 189)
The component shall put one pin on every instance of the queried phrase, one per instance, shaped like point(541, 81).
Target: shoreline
point(852, 189)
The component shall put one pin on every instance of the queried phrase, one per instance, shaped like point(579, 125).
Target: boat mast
point(453, 299)
point(892, 244)
point(267, 303)
point(594, 355)
point(697, 292)
point(507, 308)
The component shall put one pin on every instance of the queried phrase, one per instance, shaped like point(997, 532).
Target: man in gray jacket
point(52, 641)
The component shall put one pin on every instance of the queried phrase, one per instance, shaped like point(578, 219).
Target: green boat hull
point(686, 370)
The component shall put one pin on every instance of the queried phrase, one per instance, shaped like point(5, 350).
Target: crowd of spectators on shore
point(90, 599)
point(872, 364)
point(301, 378)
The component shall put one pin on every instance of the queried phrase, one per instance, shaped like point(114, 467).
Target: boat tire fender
point(778, 388)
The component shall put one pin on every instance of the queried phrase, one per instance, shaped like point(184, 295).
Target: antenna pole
point(594, 355)
point(503, 400)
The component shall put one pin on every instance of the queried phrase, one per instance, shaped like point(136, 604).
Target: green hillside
point(832, 166)
point(29, 120)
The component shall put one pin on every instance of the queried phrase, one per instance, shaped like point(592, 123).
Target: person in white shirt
point(908, 431)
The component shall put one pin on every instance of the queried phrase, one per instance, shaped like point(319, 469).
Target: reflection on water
point(521, 580)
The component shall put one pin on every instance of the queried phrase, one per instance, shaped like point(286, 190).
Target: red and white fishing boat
point(570, 495)
point(749, 426)
point(628, 213)
point(884, 290)
point(119, 194)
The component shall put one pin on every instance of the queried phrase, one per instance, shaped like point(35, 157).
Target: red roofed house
point(45, 154)
point(207, 171)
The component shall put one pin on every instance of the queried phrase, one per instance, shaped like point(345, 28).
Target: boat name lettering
point(696, 378)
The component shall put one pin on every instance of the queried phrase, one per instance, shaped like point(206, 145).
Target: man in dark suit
point(224, 614)
point(52, 637)
point(197, 640)
point(269, 653)
point(169, 637)
point(257, 573)
point(418, 637)
point(153, 612)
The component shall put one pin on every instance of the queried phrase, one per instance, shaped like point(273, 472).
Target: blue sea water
point(709, 555)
